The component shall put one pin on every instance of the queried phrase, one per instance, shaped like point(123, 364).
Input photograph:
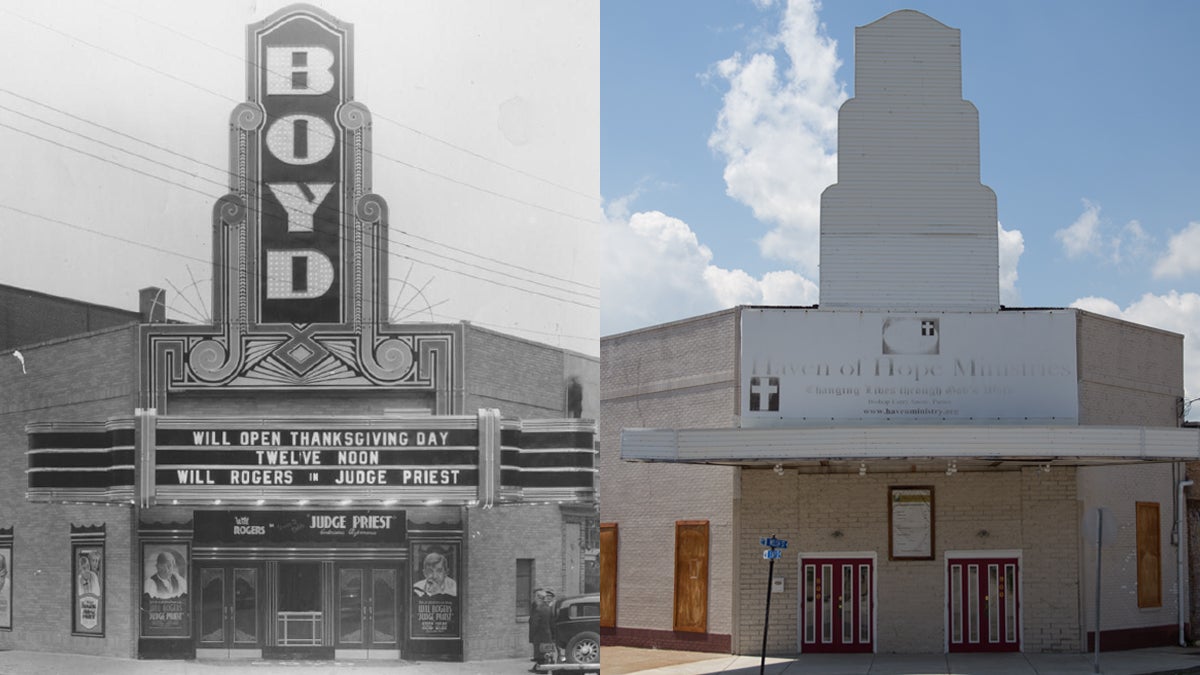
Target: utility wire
point(210, 196)
point(231, 268)
point(233, 176)
point(406, 127)
point(373, 152)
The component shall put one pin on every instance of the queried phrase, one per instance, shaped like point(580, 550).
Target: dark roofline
point(133, 314)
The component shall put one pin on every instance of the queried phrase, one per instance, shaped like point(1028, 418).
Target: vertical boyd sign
point(302, 79)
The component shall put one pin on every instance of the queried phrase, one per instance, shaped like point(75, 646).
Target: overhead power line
point(227, 98)
point(344, 213)
point(231, 175)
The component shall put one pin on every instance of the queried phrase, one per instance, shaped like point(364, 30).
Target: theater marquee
point(459, 459)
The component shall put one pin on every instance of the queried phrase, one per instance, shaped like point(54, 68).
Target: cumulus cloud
point(1183, 254)
point(777, 131)
point(1092, 235)
point(1082, 235)
point(1174, 311)
point(655, 269)
point(1012, 245)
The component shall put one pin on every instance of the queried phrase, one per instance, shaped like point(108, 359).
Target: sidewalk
point(44, 663)
point(1154, 661)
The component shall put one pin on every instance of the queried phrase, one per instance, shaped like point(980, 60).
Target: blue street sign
point(773, 542)
point(771, 554)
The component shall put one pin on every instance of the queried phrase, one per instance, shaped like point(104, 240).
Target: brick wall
point(680, 375)
point(495, 539)
point(86, 378)
point(1129, 374)
point(94, 376)
point(1117, 489)
point(1027, 511)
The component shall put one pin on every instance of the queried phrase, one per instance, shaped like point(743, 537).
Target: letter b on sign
point(305, 71)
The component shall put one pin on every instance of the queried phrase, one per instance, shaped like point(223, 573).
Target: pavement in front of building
point(45, 663)
point(1154, 661)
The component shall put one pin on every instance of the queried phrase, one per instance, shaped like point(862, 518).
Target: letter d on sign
point(298, 274)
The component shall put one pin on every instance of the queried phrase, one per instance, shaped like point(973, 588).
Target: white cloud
point(1012, 245)
point(1174, 311)
point(655, 269)
point(1183, 254)
point(777, 130)
point(1091, 234)
point(1081, 236)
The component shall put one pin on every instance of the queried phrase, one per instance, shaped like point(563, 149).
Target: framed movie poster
point(166, 609)
point(435, 602)
point(87, 589)
point(910, 523)
point(6, 587)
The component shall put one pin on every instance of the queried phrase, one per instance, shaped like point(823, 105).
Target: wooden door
point(608, 575)
point(691, 576)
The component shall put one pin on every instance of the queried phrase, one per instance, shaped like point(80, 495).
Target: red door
point(984, 607)
point(838, 612)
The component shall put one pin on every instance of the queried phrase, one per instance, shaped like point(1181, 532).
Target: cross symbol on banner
point(764, 388)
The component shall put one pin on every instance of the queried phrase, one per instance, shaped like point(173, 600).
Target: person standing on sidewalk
point(541, 635)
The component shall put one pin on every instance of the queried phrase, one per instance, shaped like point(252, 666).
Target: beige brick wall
point(1027, 511)
point(1118, 489)
point(680, 375)
point(1129, 374)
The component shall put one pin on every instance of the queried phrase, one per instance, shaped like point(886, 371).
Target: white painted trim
point(1029, 443)
point(873, 556)
point(976, 554)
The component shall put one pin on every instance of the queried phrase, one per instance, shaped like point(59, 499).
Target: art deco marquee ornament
point(300, 243)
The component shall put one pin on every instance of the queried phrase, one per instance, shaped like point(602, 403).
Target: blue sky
point(718, 133)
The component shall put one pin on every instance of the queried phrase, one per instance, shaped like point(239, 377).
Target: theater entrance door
point(368, 610)
point(228, 611)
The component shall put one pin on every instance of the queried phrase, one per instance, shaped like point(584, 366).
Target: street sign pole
point(1099, 556)
point(767, 620)
point(771, 554)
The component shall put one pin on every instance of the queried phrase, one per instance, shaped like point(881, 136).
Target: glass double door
point(984, 607)
point(228, 615)
point(368, 608)
point(837, 597)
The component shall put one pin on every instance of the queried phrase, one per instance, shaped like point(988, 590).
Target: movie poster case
point(87, 589)
point(166, 608)
point(435, 610)
point(6, 594)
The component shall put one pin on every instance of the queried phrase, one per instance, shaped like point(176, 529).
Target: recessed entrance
point(368, 611)
point(228, 610)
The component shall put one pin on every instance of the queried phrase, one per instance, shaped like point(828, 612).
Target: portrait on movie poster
point(435, 603)
point(6, 587)
point(88, 595)
point(165, 611)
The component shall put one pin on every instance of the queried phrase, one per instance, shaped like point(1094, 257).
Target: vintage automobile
point(576, 627)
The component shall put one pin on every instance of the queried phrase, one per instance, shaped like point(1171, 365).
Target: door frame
point(401, 596)
point(817, 555)
point(229, 652)
point(983, 554)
